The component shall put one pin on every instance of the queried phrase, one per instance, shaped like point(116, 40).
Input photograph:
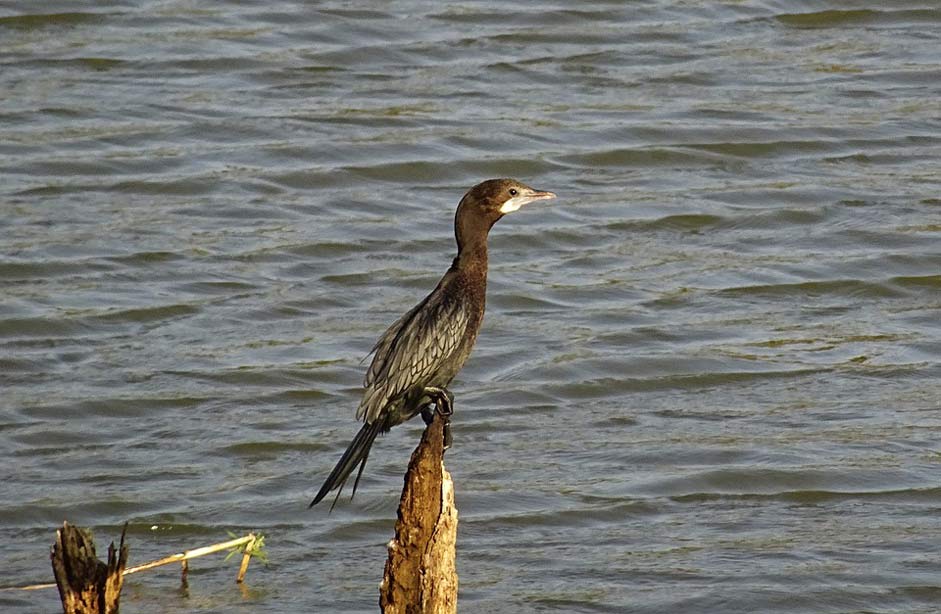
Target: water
point(708, 379)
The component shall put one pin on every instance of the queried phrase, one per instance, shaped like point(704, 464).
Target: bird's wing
point(411, 350)
point(382, 351)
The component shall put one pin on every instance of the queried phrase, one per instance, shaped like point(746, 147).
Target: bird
point(416, 358)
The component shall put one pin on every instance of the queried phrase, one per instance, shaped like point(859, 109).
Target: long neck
point(471, 234)
point(472, 258)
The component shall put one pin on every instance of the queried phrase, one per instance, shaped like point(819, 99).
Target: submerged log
point(420, 573)
point(86, 585)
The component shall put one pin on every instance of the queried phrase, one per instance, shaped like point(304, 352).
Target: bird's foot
point(448, 440)
point(443, 399)
point(444, 407)
point(427, 414)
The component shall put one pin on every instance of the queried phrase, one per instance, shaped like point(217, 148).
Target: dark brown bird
point(418, 356)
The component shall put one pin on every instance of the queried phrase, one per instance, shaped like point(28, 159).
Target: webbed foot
point(444, 407)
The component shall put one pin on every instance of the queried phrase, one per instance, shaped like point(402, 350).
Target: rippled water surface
point(708, 380)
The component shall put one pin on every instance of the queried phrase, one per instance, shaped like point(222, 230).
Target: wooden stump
point(420, 573)
point(86, 585)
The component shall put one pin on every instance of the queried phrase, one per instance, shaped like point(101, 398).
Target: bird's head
point(487, 202)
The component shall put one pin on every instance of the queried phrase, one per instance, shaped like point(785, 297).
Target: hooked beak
point(527, 196)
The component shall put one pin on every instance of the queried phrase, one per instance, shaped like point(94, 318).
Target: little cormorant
point(419, 355)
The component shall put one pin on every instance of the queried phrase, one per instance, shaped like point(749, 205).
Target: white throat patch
point(514, 203)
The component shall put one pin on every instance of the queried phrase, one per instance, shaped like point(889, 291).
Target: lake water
point(710, 372)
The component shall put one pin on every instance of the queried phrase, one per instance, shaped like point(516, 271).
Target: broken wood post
point(86, 585)
point(420, 573)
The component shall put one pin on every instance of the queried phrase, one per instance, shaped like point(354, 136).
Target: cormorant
point(418, 356)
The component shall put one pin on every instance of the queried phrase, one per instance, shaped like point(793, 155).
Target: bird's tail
point(356, 454)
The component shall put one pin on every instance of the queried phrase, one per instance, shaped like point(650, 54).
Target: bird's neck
point(472, 258)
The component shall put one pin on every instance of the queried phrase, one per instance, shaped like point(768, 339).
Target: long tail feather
point(356, 454)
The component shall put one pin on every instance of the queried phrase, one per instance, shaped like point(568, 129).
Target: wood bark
point(420, 573)
point(86, 585)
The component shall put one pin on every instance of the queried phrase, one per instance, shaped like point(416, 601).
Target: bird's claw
point(444, 407)
point(448, 440)
point(428, 415)
point(443, 400)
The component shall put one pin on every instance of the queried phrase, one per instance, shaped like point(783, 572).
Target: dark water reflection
point(709, 376)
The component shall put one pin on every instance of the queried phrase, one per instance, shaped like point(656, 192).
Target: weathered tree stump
point(86, 585)
point(420, 573)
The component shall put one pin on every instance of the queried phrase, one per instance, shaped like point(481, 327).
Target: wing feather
point(411, 351)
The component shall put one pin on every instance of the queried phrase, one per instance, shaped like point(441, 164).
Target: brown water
point(709, 376)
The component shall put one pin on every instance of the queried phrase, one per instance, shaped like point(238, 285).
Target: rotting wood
point(420, 573)
point(86, 585)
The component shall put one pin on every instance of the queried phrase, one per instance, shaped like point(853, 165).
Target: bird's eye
point(513, 192)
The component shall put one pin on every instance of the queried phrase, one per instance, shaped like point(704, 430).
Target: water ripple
point(712, 363)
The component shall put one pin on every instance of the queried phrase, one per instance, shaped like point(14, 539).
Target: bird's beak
point(527, 196)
